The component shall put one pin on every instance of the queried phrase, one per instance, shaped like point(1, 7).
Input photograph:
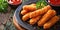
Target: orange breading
point(29, 8)
point(51, 22)
point(46, 17)
point(23, 12)
point(34, 20)
point(26, 17)
point(40, 11)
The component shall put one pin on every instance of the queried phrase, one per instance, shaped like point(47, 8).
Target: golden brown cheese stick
point(40, 11)
point(29, 8)
point(34, 20)
point(51, 22)
point(46, 17)
point(23, 12)
point(26, 17)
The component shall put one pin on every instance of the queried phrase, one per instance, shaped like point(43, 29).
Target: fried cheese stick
point(34, 20)
point(40, 11)
point(26, 16)
point(46, 17)
point(29, 8)
point(51, 22)
point(23, 12)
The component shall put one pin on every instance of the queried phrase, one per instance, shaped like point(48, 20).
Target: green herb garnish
point(3, 5)
point(41, 4)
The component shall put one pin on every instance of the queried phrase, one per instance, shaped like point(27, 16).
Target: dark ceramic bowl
point(55, 7)
point(26, 25)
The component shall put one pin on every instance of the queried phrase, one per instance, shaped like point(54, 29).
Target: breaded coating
point(26, 17)
point(34, 20)
point(40, 11)
point(29, 8)
point(23, 12)
point(51, 22)
point(46, 17)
